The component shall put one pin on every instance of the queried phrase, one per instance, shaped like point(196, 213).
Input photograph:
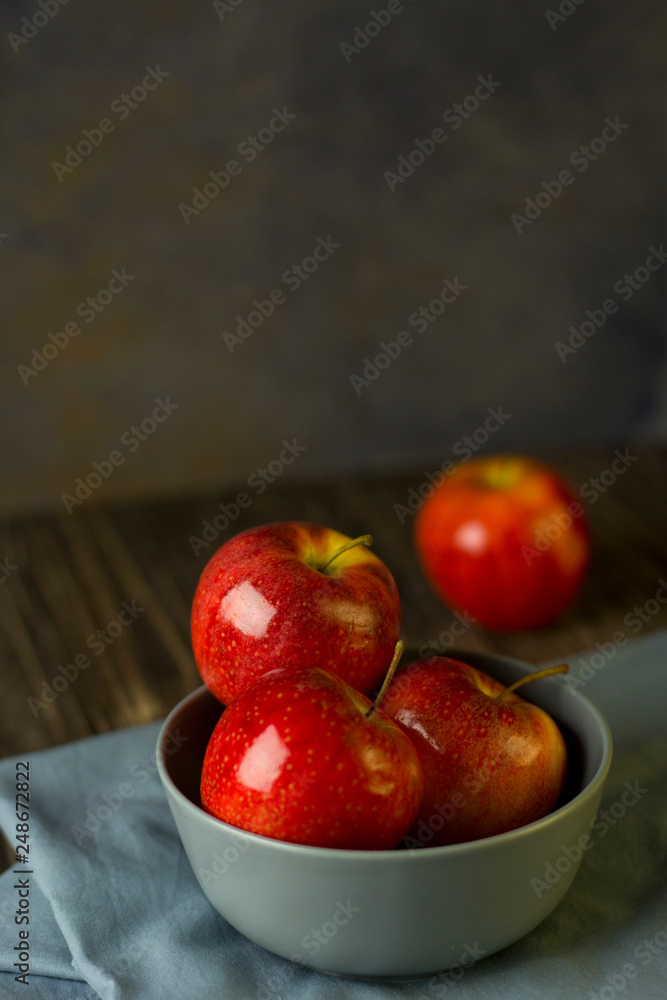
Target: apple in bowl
point(492, 761)
point(294, 594)
point(302, 757)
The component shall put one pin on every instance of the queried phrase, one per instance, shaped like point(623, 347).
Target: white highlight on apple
point(472, 537)
point(411, 719)
point(246, 608)
point(264, 761)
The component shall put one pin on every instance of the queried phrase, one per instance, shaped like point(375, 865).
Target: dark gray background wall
point(224, 70)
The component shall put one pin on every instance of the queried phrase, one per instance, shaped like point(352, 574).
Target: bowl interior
point(196, 718)
point(584, 730)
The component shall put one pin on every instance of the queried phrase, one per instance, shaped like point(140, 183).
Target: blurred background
point(134, 283)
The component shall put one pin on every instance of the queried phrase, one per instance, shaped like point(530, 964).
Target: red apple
point(294, 594)
point(299, 758)
point(504, 539)
point(492, 761)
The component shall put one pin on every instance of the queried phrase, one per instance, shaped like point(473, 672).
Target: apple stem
point(505, 473)
point(361, 540)
point(562, 668)
point(400, 646)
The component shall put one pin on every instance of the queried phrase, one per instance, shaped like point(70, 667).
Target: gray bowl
point(394, 913)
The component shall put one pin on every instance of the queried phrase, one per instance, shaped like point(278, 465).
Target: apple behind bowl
point(503, 539)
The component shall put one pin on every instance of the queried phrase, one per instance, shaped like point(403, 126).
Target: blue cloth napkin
point(115, 911)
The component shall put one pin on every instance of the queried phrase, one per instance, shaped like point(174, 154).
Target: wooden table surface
point(67, 578)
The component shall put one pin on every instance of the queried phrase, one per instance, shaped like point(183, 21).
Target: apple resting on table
point(303, 757)
point(294, 594)
point(492, 761)
point(505, 540)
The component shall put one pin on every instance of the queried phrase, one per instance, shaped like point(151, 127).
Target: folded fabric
point(115, 911)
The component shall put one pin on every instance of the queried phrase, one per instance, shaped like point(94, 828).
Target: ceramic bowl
point(397, 913)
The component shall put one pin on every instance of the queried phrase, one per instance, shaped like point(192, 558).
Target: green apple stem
point(361, 540)
point(400, 646)
point(505, 473)
point(562, 668)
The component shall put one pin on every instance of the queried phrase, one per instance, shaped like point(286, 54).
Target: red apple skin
point(504, 540)
point(262, 603)
point(295, 758)
point(489, 766)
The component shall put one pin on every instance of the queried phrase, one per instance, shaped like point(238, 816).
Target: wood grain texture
point(73, 574)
